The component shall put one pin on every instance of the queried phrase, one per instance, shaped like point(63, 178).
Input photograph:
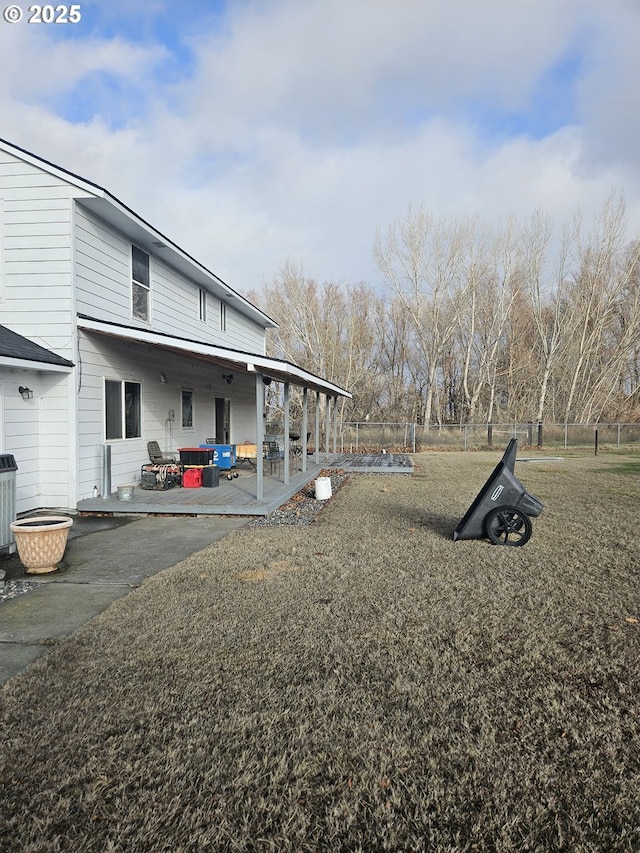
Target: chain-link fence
point(366, 437)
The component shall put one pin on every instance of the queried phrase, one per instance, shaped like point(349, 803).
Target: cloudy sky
point(255, 131)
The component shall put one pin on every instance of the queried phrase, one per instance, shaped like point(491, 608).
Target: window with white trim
point(202, 305)
point(187, 409)
point(223, 316)
point(140, 284)
point(122, 409)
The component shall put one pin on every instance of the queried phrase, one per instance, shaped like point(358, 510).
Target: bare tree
point(546, 281)
point(479, 320)
point(419, 258)
point(329, 329)
point(594, 297)
point(491, 285)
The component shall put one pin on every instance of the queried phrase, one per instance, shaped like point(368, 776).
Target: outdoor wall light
point(267, 380)
point(163, 378)
point(228, 378)
point(27, 393)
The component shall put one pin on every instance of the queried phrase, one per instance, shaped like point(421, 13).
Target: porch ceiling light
point(26, 393)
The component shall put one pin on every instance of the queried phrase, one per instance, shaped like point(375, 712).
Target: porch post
point(327, 423)
point(317, 439)
point(335, 425)
point(259, 437)
point(287, 424)
point(305, 422)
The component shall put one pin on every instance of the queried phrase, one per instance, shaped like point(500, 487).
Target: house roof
point(15, 347)
point(124, 219)
point(278, 369)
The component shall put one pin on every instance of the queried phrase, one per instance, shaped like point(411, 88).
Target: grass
point(362, 684)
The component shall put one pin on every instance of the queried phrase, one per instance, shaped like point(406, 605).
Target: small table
point(247, 452)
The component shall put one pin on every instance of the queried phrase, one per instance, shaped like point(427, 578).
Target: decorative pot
point(41, 541)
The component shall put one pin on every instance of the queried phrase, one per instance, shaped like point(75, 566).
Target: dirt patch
point(277, 567)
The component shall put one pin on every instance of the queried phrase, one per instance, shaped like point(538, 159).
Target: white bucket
point(125, 493)
point(323, 488)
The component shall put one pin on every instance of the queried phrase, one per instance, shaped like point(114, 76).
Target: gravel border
point(303, 508)
point(11, 589)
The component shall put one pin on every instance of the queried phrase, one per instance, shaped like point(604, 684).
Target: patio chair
point(157, 457)
point(271, 453)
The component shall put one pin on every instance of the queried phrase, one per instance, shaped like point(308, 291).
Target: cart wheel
point(506, 525)
point(229, 476)
point(236, 475)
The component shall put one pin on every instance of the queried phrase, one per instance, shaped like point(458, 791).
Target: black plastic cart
point(503, 508)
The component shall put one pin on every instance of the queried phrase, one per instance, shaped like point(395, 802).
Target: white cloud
point(298, 128)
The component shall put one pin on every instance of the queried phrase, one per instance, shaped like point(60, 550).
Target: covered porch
point(246, 378)
point(238, 495)
point(232, 497)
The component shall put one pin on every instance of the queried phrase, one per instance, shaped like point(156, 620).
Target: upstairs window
point(122, 409)
point(223, 317)
point(140, 284)
point(202, 313)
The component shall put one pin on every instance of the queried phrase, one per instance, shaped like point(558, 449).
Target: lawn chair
point(157, 457)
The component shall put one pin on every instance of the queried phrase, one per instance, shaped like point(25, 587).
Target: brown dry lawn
point(361, 684)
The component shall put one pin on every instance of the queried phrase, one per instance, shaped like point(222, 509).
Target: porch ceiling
point(281, 371)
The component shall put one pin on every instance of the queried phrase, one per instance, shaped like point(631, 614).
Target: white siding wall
point(48, 244)
point(103, 358)
point(36, 432)
point(36, 300)
point(103, 281)
point(36, 297)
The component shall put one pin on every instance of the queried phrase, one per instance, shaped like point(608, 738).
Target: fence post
point(490, 435)
point(529, 434)
point(618, 436)
point(539, 433)
point(596, 444)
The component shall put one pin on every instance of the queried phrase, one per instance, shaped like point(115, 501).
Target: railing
point(364, 436)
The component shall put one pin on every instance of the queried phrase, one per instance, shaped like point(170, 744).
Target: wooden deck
point(231, 497)
point(238, 496)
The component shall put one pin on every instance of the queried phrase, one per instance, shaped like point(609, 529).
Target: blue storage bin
point(224, 455)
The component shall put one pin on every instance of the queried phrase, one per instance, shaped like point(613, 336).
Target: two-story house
point(112, 335)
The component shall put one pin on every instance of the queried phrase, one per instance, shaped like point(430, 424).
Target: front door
point(222, 420)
